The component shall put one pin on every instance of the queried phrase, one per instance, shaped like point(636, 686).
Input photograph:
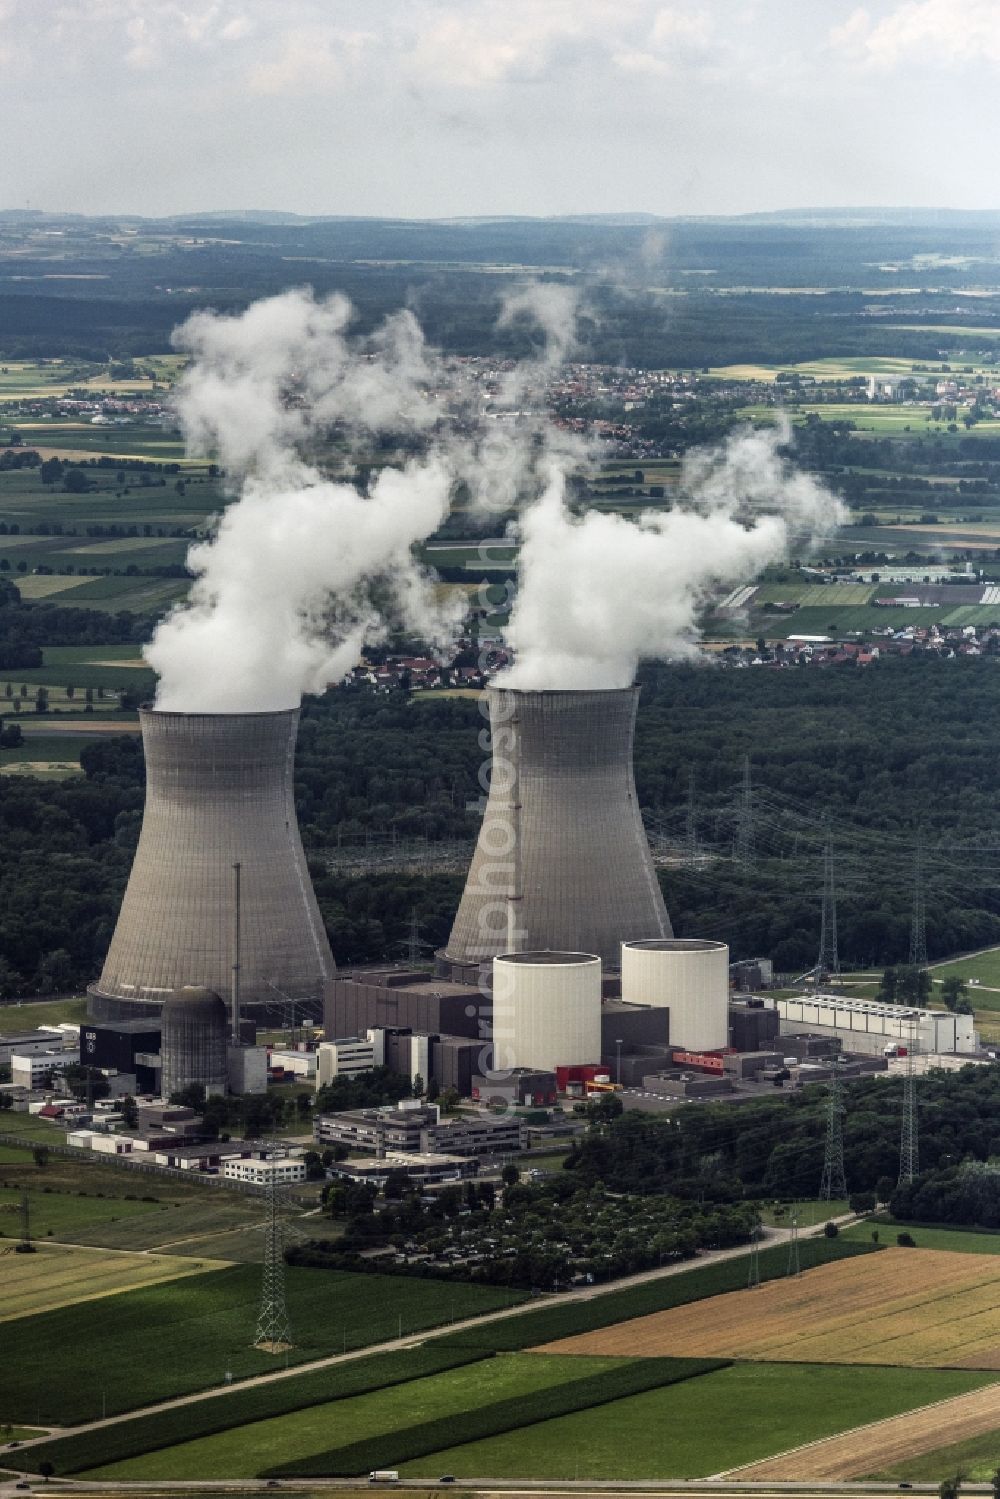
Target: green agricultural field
point(815, 593)
point(837, 620)
point(807, 1213)
point(48, 758)
point(984, 967)
point(963, 1241)
point(203, 1326)
point(140, 595)
point(62, 1215)
point(185, 1226)
point(241, 1405)
point(58, 1275)
point(703, 1426)
point(249, 1450)
point(976, 1459)
point(17, 1017)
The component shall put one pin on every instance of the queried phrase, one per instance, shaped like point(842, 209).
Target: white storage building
point(546, 1009)
point(867, 1026)
point(687, 976)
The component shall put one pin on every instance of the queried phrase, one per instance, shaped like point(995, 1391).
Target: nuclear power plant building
point(219, 896)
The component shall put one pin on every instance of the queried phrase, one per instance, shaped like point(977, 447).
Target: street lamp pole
point(618, 1079)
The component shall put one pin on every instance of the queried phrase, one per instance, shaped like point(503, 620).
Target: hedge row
point(565, 1319)
point(389, 1449)
point(203, 1418)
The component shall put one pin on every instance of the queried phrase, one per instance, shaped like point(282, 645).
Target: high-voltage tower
point(833, 1183)
point(918, 928)
point(744, 850)
point(274, 1330)
point(829, 958)
point(794, 1266)
point(909, 1142)
point(753, 1268)
point(691, 827)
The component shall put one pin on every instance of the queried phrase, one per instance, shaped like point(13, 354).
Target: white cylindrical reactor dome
point(546, 1009)
point(690, 978)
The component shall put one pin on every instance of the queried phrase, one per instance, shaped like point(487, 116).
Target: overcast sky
point(434, 108)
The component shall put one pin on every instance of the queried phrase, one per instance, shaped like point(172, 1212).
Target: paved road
point(588, 1293)
point(490, 1488)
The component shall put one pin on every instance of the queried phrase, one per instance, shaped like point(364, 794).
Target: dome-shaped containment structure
point(546, 1009)
point(193, 1041)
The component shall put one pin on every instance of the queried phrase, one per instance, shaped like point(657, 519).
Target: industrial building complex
point(561, 974)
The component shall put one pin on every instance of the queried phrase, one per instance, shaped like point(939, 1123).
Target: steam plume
point(597, 592)
point(282, 599)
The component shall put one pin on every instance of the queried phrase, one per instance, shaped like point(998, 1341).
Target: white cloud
point(310, 60)
point(923, 30)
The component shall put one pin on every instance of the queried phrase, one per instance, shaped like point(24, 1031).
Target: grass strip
point(204, 1418)
point(392, 1448)
point(562, 1321)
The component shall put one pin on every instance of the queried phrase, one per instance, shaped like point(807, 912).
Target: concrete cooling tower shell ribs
point(562, 860)
point(218, 792)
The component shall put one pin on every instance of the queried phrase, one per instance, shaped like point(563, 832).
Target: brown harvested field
point(869, 1449)
point(914, 1307)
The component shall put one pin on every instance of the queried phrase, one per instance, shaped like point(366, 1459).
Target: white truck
point(384, 1475)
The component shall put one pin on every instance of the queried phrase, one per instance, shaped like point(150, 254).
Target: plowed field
point(913, 1307)
point(866, 1449)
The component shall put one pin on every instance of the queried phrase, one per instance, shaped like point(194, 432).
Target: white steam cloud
point(598, 592)
point(301, 571)
point(282, 601)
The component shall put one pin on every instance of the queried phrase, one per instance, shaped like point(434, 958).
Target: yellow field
point(32, 587)
point(59, 1275)
point(866, 1449)
point(913, 1307)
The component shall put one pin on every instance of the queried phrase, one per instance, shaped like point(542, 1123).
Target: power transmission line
point(833, 1183)
point(794, 1266)
point(829, 957)
point(25, 1246)
point(753, 1268)
point(918, 928)
point(274, 1332)
point(744, 850)
point(909, 1142)
point(691, 827)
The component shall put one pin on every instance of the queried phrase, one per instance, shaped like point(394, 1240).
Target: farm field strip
point(60, 1275)
point(247, 1450)
point(882, 1443)
point(897, 1307)
point(701, 1426)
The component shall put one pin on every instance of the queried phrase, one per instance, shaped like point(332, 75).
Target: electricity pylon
point(918, 927)
point(744, 851)
point(753, 1268)
point(833, 1183)
point(274, 1331)
point(829, 957)
point(909, 1141)
point(794, 1265)
point(691, 827)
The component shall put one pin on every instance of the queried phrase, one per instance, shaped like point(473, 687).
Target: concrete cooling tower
point(218, 794)
point(562, 861)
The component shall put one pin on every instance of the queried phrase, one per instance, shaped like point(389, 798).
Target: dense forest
point(672, 293)
point(774, 1147)
point(867, 760)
